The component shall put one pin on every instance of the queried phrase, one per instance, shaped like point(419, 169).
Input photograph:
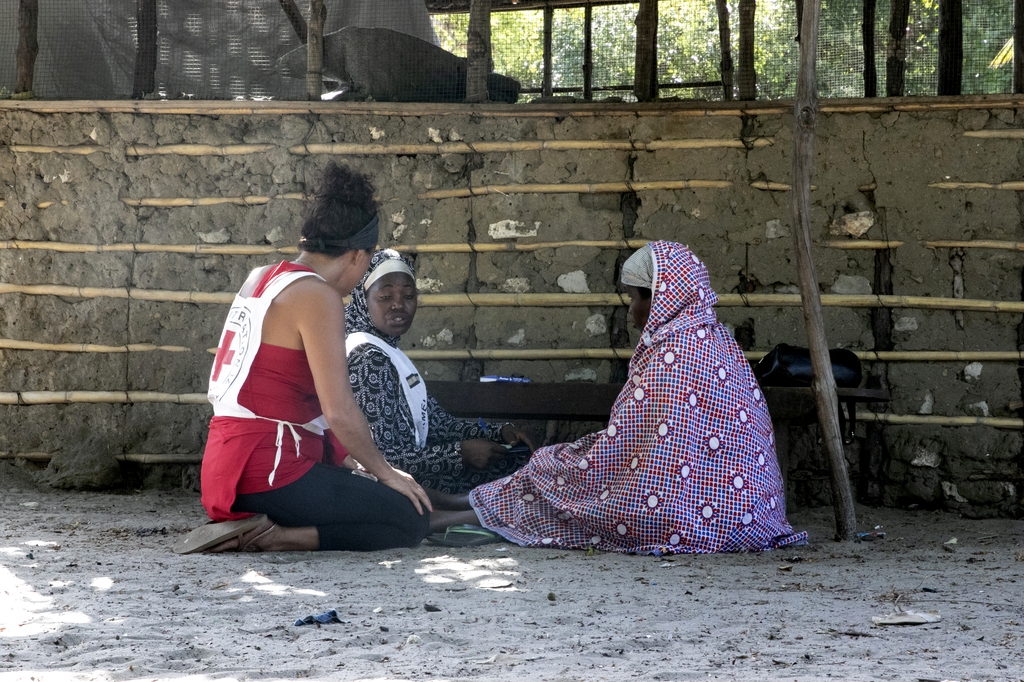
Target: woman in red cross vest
point(277, 472)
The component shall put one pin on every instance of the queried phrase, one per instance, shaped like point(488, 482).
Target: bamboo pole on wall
point(868, 39)
point(941, 420)
point(198, 149)
point(1005, 133)
point(181, 202)
point(356, 149)
point(145, 50)
point(478, 51)
point(823, 385)
point(725, 47)
point(592, 188)
point(588, 52)
point(645, 74)
point(746, 77)
point(315, 50)
point(83, 149)
point(13, 344)
point(896, 56)
point(1014, 186)
point(1018, 46)
point(96, 397)
point(975, 244)
point(951, 47)
point(28, 48)
point(862, 244)
point(548, 66)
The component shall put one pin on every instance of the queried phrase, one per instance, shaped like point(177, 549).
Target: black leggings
point(350, 512)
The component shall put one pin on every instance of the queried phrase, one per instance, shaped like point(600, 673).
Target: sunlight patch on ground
point(101, 583)
point(265, 584)
point(482, 573)
point(24, 612)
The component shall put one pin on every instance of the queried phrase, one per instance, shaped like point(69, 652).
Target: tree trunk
point(896, 56)
point(951, 46)
point(549, 20)
point(294, 14)
point(746, 76)
point(645, 84)
point(588, 52)
point(478, 51)
point(725, 45)
point(145, 53)
point(28, 44)
point(824, 384)
point(868, 36)
point(315, 50)
point(1018, 46)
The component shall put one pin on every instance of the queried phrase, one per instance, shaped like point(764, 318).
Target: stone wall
point(881, 162)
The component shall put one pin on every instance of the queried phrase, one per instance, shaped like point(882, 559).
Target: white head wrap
point(638, 270)
point(386, 268)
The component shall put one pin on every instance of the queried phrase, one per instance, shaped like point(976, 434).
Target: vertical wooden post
point(291, 10)
point(315, 49)
point(645, 82)
point(873, 454)
point(549, 20)
point(868, 39)
point(824, 384)
point(951, 46)
point(746, 77)
point(896, 54)
point(588, 52)
point(478, 50)
point(725, 45)
point(28, 46)
point(1018, 46)
point(145, 52)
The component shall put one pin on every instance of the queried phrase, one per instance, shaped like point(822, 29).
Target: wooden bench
point(593, 402)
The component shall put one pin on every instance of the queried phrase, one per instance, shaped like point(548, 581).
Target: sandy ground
point(89, 590)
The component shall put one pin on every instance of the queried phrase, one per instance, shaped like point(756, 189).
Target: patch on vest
point(413, 380)
point(234, 344)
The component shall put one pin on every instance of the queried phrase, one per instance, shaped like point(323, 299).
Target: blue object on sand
point(326, 617)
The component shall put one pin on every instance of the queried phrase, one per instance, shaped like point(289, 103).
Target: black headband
point(366, 238)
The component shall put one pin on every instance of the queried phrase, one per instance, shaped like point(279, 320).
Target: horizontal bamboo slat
point(114, 397)
point(575, 188)
point(114, 292)
point(1013, 186)
point(13, 344)
point(182, 202)
point(1007, 134)
point(975, 244)
point(940, 420)
point(868, 244)
point(192, 249)
point(198, 149)
point(80, 150)
point(134, 458)
point(462, 147)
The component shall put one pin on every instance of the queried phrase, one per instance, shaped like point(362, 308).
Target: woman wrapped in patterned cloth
point(687, 463)
point(412, 430)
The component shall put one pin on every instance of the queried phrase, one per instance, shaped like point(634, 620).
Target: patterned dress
point(378, 391)
point(687, 463)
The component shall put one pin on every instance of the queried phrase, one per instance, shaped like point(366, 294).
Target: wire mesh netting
point(400, 50)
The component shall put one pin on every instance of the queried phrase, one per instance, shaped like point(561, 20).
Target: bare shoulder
point(311, 295)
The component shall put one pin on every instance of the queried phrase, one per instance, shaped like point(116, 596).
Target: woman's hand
point(404, 483)
point(481, 453)
point(512, 434)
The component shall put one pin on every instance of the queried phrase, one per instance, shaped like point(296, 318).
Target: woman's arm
point(317, 311)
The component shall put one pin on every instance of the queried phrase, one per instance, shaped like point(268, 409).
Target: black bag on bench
point(789, 365)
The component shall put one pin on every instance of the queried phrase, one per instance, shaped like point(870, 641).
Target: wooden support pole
point(478, 51)
point(28, 46)
point(824, 384)
point(746, 76)
point(951, 46)
point(295, 18)
point(315, 50)
point(1018, 46)
point(868, 38)
point(725, 45)
point(588, 52)
point(645, 83)
point(547, 76)
point(896, 54)
point(145, 52)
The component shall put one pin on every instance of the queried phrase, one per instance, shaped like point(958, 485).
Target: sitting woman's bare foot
point(270, 537)
point(447, 501)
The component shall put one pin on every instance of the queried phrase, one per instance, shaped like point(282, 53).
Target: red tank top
point(240, 453)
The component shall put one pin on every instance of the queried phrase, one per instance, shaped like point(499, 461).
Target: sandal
point(465, 535)
point(213, 534)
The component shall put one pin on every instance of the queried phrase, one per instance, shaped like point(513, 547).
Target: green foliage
point(688, 46)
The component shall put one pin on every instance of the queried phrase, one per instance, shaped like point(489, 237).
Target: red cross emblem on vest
point(224, 354)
